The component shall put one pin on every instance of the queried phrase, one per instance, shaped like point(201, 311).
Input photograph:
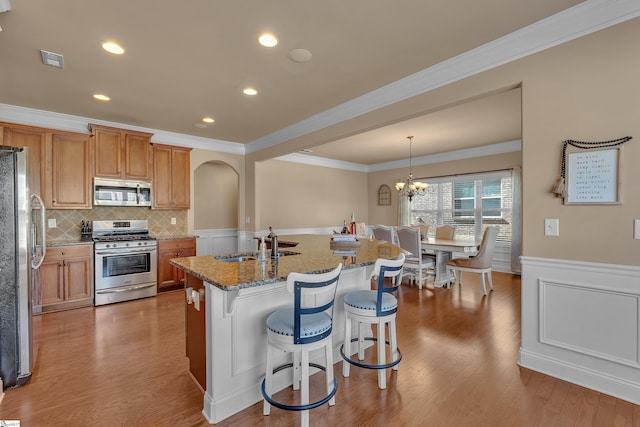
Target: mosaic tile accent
point(68, 220)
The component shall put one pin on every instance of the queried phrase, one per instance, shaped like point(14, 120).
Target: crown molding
point(323, 161)
point(467, 153)
point(578, 21)
point(48, 119)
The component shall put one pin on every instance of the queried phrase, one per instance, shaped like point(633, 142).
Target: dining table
point(444, 249)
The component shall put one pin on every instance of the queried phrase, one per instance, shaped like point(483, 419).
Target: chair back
point(361, 229)
point(445, 232)
point(409, 240)
point(312, 294)
point(484, 257)
point(387, 269)
point(424, 230)
point(383, 232)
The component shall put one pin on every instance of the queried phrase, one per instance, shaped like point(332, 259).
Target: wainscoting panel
point(215, 242)
point(581, 323)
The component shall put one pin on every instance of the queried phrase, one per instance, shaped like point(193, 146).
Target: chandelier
point(413, 187)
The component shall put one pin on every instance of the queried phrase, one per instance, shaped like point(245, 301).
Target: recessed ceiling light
point(268, 40)
point(208, 119)
point(101, 97)
point(250, 91)
point(113, 47)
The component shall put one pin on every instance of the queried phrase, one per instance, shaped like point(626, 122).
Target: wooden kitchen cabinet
point(66, 277)
point(171, 171)
point(170, 277)
point(121, 153)
point(69, 171)
point(34, 139)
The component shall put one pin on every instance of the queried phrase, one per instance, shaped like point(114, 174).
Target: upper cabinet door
point(138, 156)
point(108, 151)
point(171, 172)
point(33, 139)
point(122, 154)
point(69, 173)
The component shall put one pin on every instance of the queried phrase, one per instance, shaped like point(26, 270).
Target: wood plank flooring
point(124, 365)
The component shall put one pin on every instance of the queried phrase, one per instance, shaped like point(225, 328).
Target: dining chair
point(424, 230)
point(446, 232)
point(416, 263)
point(361, 230)
point(443, 232)
point(384, 232)
point(377, 307)
point(300, 329)
point(480, 263)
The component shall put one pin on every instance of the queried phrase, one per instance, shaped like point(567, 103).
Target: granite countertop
point(314, 255)
point(191, 236)
point(70, 242)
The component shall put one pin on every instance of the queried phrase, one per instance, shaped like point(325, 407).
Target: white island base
point(236, 338)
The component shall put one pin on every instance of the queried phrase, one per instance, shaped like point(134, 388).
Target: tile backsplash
point(68, 220)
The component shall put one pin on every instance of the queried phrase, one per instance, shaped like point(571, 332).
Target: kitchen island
point(239, 293)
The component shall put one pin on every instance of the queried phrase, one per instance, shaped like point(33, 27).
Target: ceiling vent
point(53, 59)
point(4, 6)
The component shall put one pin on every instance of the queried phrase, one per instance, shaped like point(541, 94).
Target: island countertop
point(313, 254)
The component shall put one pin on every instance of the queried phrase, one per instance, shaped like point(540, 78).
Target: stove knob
point(108, 245)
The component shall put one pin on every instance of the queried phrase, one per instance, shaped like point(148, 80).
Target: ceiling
point(187, 60)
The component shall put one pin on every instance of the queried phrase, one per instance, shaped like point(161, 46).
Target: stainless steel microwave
point(121, 192)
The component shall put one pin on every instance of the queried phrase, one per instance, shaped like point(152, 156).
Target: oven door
point(115, 268)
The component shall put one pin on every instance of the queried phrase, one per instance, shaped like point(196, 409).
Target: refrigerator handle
point(43, 223)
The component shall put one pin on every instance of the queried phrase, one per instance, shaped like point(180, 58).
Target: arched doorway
point(215, 216)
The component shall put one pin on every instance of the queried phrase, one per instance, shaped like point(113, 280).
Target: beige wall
point(388, 215)
point(215, 196)
point(236, 163)
point(293, 195)
point(585, 90)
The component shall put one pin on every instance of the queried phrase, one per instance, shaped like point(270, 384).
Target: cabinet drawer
point(69, 251)
point(164, 245)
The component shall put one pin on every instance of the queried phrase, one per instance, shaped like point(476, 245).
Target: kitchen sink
point(235, 258)
point(250, 256)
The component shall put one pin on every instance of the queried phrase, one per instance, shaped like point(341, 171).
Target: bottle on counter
point(262, 253)
point(352, 225)
point(344, 227)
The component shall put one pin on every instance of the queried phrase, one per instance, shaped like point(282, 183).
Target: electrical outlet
point(173, 221)
point(551, 227)
point(51, 223)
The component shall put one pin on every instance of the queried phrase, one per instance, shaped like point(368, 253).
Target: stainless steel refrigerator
point(22, 249)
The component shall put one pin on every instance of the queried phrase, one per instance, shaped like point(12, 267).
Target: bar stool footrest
point(299, 407)
point(368, 366)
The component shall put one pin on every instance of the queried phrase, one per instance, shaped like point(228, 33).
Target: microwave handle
point(138, 194)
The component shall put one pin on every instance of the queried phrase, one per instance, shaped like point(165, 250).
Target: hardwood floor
point(124, 364)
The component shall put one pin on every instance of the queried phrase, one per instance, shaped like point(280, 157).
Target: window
point(465, 201)
point(469, 202)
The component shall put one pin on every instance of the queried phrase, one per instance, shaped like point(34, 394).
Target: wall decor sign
point(593, 176)
point(590, 172)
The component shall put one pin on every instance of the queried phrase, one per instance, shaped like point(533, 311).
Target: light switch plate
point(173, 221)
point(51, 223)
point(551, 227)
point(636, 229)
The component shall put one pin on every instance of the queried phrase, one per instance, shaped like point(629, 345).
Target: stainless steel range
point(125, 261)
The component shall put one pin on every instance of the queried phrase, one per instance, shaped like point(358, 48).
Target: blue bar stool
point(374, 307)
point(300, 329)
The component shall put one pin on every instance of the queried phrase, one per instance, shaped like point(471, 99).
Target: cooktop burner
point(121, 231)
